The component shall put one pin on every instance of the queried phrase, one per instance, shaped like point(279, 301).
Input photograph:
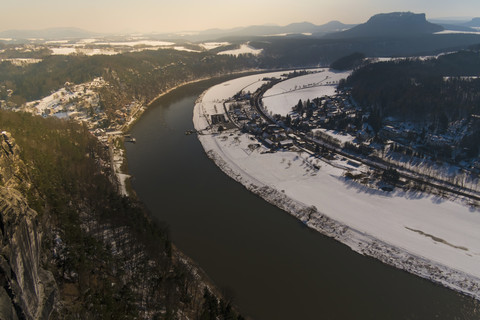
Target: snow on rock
point(421, 233)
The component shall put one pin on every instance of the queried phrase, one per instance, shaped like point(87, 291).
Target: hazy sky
point(185, 15)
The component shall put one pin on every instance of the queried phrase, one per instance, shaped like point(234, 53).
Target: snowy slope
point(283, 96)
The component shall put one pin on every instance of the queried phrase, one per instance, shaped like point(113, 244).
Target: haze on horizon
point(114, 16)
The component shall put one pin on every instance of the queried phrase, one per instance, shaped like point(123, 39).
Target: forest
point(139, 75)
point(418, 89)
point(434, 93)
point(109, 258)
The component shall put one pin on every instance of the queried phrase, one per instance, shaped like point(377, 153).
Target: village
point(336, 127)
point(82, 103)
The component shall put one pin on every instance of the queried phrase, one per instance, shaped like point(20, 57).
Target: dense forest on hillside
point(445, 88)
point(440, 95)
point(109, 259)
point(349, 62)
point(296, 52)
point(141, 75)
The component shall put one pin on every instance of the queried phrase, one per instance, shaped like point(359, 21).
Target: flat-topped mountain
point(395, 24)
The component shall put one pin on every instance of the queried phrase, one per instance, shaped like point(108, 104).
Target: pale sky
point(189, 15)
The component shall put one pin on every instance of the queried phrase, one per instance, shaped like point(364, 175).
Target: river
point(272, 265)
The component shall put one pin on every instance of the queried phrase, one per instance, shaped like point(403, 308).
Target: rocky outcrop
point(395, 24)
point(26, 290)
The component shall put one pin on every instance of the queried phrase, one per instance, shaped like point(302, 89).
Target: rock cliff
point(26, 290)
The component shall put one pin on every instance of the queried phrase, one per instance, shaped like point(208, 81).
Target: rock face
point(395, 24)
point(26, 290)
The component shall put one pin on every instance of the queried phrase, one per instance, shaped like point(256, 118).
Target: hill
point(474, 23)
point(293, 29)
point(395, 24)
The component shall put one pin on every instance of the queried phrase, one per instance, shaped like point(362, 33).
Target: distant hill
point(458, 24)
point(455, 27)
point(51, 33)
point(395, 24)
point(294, 29)
point(475, 23)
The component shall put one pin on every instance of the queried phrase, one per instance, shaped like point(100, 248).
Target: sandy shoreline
point(358, 240)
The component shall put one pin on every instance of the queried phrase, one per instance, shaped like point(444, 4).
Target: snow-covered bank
point(423, 234)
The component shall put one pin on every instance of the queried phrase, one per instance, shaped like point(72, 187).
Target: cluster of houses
point(241, 115)
point(342, 116)
point(82, 103)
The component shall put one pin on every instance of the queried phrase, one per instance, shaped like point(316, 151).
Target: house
point(269, 143)
point(218, 118)
point(286, 143)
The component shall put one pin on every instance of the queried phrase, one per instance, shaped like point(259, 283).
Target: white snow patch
point(341, 137)
point(93, 52)
point(87, 41)
point(244, 49)
point(150, 43)
point(277, 35)
point(56, 41)
point(180, 48)
point(213, 45)
point(63, 51)
point(456, 32)
point(86, 51)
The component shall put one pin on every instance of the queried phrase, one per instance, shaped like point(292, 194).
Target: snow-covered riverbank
point(423, 234)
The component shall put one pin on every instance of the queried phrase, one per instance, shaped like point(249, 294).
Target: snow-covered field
point(180, 48)
point(86, 51)
point(283, 96)
point(424, 234)
point(213, 45)
point(151, 43)
point(244, 49)
point(90, 47)
point(63, 50)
